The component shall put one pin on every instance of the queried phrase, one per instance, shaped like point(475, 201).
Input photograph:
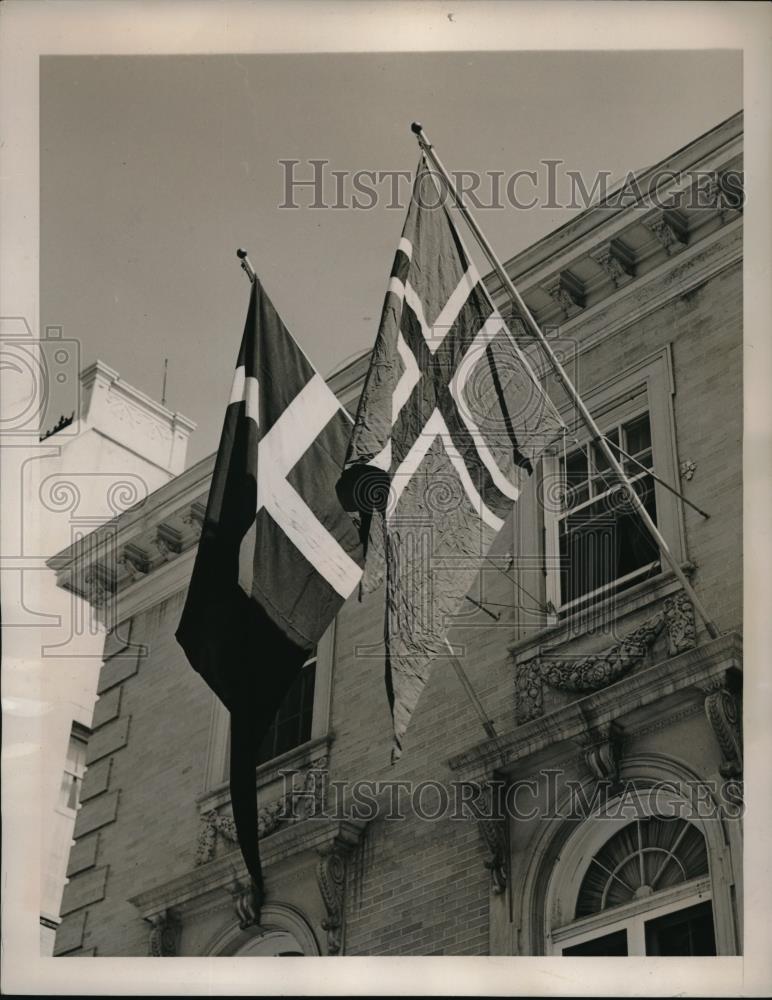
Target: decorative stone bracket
point(248, 901)
point(492, 823)
point(722, 707)
point(164, 934)
point(331, 875)
point(583, 674)
point(619, 266)
point(670, 230)
point(602, 749)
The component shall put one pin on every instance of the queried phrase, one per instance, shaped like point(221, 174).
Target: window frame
point(645, 386)
point(632, 917)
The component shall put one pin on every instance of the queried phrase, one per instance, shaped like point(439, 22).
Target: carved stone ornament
point(669, 235)
point(135, 561)
point(97, 588)
point(681, 627)
point(584, 673)
point(569, 301)
point(164, 934)
point(304, 799)
point(723, 712)
point(612, 265)
point(331, 875)
point(491, 820)
point(687, 470)
point(603, 751)
point(248, 901)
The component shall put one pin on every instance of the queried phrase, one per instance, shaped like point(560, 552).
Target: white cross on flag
point(278, 555)
point(450, 421)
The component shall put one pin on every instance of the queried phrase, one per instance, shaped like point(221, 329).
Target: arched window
point(644, 891)
point(283, 932)
point(279, 944)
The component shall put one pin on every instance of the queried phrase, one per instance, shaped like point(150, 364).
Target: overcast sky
point(154, 169)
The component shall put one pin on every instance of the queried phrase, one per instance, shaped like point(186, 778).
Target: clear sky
point(154, 169)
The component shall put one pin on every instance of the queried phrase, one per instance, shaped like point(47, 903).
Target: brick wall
point(138, 821)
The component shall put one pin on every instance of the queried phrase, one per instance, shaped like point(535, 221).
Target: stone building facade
point(605, 818)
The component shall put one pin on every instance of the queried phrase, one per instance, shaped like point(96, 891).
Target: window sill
point(297, 759)
point(580, 622)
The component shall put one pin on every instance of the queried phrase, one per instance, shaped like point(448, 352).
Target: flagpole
point(565, 381)
point(246, 264)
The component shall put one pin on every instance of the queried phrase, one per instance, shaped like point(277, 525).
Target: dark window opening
point(602, 540)
point(607, 945)
point(687, 932)
point(292, 725)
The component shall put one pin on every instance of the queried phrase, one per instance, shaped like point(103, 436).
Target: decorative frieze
point(582, 674)
point(164, 934)
point(305, 798)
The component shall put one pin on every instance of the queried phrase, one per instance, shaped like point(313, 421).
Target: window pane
point(687, 932)
point(609, 944)
point(575, 472)
point(292, 725)
point(638, 435)
point(605, 542)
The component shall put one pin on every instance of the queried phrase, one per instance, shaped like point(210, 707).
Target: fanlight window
point(645, 857)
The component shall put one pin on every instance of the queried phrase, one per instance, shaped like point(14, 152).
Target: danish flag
point(278, 555)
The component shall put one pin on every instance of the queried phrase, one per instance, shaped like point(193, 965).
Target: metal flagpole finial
point(418, 131)
point(246, 265)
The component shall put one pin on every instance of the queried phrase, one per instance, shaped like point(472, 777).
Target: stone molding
point(592, 671)
point(575, 720)
point(303, 800)
point(210, 884)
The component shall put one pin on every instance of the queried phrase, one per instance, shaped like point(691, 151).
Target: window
point(293, 723)
point(645, 892)
point(302, 719)
point(592, 540)
point(601, 538)
point(74, 769)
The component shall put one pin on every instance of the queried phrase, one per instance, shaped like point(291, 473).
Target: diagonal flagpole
point(560, 373)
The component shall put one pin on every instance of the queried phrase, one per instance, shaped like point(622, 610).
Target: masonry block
point(107, 740)
point(107, 707)
point(96, 813)
point(83, 855)
point(116, 670)
point(83, 889)
point(69, 934)
point(96, 780)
